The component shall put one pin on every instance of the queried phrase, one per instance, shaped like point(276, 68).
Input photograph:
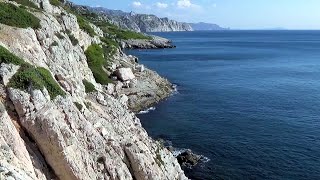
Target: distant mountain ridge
point(201, 26)
point(141, 22)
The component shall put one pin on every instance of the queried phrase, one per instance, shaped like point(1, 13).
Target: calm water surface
point(248, 100)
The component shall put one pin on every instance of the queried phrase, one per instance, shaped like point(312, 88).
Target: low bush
point(73, 40)
point(119, 33)
point(59, 35)
point(55, 2)
point(26, 3)
point(36, 78)
point(78, 105)
point(54, 43)
point(89, 87)
point(84, 25)
point(96, 63)
point(7, 57)
point(12, 15)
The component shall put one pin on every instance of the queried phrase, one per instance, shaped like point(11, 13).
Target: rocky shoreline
point(156, 42)
point(58, 122)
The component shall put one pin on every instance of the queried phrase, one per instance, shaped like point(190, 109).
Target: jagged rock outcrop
point(155, 43)
point(142, 22)
point(80, 135)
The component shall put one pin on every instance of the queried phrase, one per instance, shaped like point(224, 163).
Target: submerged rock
point(188, 158)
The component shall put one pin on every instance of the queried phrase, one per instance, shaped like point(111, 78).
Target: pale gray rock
point(140, 68)
point(110, 88)
point(7, 71)
point(123, 99)
point(141, 22)
point(124, 74)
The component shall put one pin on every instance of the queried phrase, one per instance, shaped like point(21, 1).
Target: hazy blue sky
point(237, 14)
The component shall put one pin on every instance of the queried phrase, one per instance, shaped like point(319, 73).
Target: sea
point(247, 101)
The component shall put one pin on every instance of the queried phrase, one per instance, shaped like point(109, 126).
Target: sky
point(236, 14)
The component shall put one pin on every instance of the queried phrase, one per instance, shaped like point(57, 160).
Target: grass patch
point(96, 63)
point(12, 15)
point(7, 57)
point(26, 3)
point(84, 25)
point(78, 105)
point(36, 78)
point(89, 87)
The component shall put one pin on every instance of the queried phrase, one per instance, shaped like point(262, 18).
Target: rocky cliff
point(201, 26)
point(142, 22)
point(67, 96)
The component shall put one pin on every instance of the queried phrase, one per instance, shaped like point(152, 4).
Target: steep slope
point(64, 114)
point(142, 22)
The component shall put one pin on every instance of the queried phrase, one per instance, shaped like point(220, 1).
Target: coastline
point(72, 126)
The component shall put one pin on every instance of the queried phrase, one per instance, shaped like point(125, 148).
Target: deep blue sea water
point(248, 100)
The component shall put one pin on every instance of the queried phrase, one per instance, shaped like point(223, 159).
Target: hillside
point(206, 27)
point(142, 22)
point(68, 94)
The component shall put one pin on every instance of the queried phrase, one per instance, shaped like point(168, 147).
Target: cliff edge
point(67, 96)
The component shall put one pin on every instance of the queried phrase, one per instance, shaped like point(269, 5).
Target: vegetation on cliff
point(26, 3)
point(36, 78)
point(7, 57)
point(30, 76)
point(97, 62)
point(89, 87)
point(12, 15)
point(109, 29)
point(84, 25)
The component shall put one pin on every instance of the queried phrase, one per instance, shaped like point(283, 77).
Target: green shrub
point(26, 3)
point(7, 57)
point(55, 2)
point(96, 63)
point(54, 43)
point(78, 105)
point(84, 25)
point(89, 87)
point(18, 17)
point(59, 35)
point(88, 104)
point(36, 78)
point(119, 33)
point(110, 48)
point(109, 42)
point(73, 40)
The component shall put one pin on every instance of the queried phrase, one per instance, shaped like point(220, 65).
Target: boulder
point(140, 68)
point(110, 88)
point(123, 99)
point(188, 158)
point(124, 74)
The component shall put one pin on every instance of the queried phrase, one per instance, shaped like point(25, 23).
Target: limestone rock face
point(7, 71)
point(80, 136)
point(142, 22)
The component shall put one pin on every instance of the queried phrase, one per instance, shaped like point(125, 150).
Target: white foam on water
point(147, 110)
point(177, 152)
